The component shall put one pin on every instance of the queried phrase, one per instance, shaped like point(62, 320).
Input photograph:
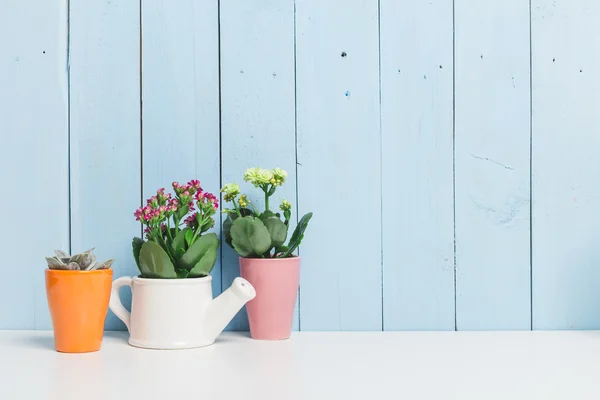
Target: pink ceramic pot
point(276, 281)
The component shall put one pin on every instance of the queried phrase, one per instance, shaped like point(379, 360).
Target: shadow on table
point(43, 342)
point(231, 336)
point(121, 336)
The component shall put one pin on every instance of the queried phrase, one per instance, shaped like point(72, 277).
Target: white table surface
point(311, 365)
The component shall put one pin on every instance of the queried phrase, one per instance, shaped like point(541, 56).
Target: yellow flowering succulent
point(260, 177)
point(261, 234)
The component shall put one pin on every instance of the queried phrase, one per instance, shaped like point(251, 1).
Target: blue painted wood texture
point(34, 155)
point(566, 166)
point(257, 113)
point(105, 132)
point(417, 190)
point(180, 97)
point(339, 163)
point(415, 132)
point(492, 175)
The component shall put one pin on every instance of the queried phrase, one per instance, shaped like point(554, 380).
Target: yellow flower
point(264, 176)
point(243, 201)
point(285, 205)
point(251, 174)
point(258, 176)
point(231, 190)
point(280, 176)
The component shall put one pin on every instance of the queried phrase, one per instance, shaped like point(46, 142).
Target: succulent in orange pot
point(78, 290)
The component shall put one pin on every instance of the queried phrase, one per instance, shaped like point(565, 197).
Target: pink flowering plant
point(176, 244)
point(256, 234)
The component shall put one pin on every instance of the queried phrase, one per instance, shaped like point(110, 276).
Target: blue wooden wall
point(448, 148)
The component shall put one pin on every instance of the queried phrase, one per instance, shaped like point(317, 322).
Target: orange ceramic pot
point(78, 302)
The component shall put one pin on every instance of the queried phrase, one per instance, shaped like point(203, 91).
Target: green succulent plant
point(176, 245)
point(255, 234)
point(85, 261)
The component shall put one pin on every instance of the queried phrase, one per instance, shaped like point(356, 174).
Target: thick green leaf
point(281, 249)
point(227, 229)
point(189, 234)
point(229, 221)
point(277, 230)
point(200, 247)
point(245, 212)
point(137, 246)
point(179, 253)
point(155, 262)
point(206, 263)
point(182, 273)
point(266, 214)
point(182, 212)
point(250, 237)
point(163, 243)
point(298, 234)
point(179, 240)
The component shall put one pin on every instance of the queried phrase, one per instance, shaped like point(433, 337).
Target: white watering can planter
point(177, 313)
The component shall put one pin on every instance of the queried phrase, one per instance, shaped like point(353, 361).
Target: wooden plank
point(492, 145)
point(33, 154)
point(417, 157)
point(105, 132)
point(257, 91)
point(180, 75)
point(566, 167)
point(339, 171)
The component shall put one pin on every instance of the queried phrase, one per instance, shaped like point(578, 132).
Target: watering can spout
point(223, 308)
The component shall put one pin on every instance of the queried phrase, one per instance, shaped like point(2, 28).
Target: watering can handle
point(115, 304)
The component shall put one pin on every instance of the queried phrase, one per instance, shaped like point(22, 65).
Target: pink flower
point(152, 200)
point(160, 191)
point(194, 183)
point(191, 220)
point(175, 185)
point(211, 197)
